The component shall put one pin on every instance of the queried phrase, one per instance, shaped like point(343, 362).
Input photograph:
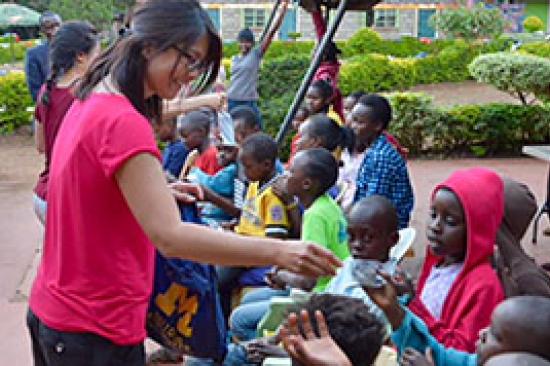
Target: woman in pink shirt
point(108, 203)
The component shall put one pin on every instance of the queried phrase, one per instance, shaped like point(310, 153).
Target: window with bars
point(254, 18)
point(385, 18)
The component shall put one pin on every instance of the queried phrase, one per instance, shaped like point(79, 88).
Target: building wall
point(231, 19)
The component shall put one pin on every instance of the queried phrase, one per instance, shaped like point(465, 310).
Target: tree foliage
point(98, 12)
point(477, 22)
point(522, 76)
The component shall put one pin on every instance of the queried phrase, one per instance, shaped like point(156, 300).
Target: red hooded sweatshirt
point(477, 290)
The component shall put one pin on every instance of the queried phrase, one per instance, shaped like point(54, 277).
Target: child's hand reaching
point(312, 349)
point(412, 357)
point(386, 299)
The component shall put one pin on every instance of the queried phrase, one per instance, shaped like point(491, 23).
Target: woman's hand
point(386, 299)
point(186, 192)
point(312, 349)
point(412, 357)
point(306, 259)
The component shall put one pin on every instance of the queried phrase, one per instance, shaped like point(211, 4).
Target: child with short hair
point(299, 118)
point(263, 214)
point(175, 152)
point(372, 232)
point(346, 322)
point(246, 122)
point(383, 170)
point(519, 324)
point(195, 132)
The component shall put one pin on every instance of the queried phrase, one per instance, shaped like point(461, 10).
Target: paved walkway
point(20, 232)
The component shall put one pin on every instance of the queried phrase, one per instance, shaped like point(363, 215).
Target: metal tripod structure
point(341, 7)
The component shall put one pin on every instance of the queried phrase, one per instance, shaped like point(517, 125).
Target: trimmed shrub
point(14, 102)
point(375, 73)
point(533, 24)
point(367, 40)
point(479, 130)
point(514, 73)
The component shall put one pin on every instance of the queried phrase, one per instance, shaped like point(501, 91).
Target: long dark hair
point(71, 40)
point(159, 24)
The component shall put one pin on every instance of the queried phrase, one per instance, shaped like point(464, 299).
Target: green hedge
point(541, 49)
point(479, 130)
point(279, 81)
point(14, 102)
point(375, 73)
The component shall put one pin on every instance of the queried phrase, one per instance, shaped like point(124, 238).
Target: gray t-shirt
point(245, 72)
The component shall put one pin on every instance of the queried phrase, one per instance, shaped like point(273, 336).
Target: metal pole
point(311, 71)
point(270, 21)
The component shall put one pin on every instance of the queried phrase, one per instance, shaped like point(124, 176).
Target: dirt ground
point(21, 234)
point(468, 92)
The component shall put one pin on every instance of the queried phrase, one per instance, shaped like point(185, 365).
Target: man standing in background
point(36, 62)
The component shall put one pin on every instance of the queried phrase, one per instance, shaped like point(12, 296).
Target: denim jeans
point(232, 103)
point(254, 305)
point(55, 348)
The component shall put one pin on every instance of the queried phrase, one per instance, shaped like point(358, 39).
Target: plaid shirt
point(384, 172)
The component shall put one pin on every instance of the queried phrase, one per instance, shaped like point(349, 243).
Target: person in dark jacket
point(36, 62)
point(518, 272)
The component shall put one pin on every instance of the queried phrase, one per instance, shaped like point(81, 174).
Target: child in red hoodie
point(458, 288)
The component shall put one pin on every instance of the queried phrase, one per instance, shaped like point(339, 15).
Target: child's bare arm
point(297, 281)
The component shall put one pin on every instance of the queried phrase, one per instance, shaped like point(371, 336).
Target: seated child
point(383, 171)
point(344, 330)
point(350, 102)
point(519, 273)
point(195, 131)
point(263, 213)
point(319, 99)
point(301, 116)
point(519, 324)
point(372, 232)
point(312, 173)
point(222, 183)
point(175, 152)
point(458, 288)
point(321, 131)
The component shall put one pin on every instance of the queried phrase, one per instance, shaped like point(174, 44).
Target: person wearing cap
point(36, 62)
point(245, 67)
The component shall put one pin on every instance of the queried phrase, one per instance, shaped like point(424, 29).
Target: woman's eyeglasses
point(192, 63)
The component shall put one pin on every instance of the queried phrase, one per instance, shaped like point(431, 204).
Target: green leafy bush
point(514, 73)
point(413, 113)
point(14, 102)
point(376, 73)
point(541, 49)
point(280, 79)
point(480, 130)
point(367, 40)
point(533, 24)
point(470, 23)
